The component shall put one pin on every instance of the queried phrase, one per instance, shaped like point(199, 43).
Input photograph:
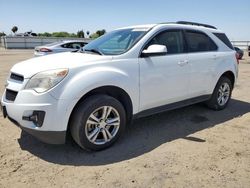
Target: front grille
point(16, 77)
point(10, 95)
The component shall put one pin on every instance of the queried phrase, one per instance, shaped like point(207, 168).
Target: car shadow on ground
point(144, 135)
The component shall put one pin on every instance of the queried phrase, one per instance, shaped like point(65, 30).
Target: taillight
point(237, 56)
point(45, 50)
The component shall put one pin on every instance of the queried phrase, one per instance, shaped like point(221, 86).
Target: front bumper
point(50, 137)
point(54, 126)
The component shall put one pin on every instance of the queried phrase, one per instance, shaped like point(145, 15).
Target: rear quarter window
point(224, 39)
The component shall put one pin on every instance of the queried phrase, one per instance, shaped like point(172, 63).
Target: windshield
point(116, 42)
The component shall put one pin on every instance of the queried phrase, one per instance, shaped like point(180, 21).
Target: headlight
point(46, 80)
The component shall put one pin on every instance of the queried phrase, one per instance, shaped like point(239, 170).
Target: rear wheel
point(221, 95)
point(98, 122)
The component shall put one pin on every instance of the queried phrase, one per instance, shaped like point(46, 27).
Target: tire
point(97, 122)
point(221, 94)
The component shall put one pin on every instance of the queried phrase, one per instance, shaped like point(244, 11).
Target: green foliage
point(94, 36)
point(97, 34)
point(80, 34)
point(2, 34)
point(73, 35)
point(60, 34)
point(14, 29)
point(57, 34)
point(45, 34)
point(101, 32)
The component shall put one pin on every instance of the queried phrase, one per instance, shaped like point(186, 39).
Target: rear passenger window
point(67, 45)
point(173, 40)
point(199, 42)
point(76, 45)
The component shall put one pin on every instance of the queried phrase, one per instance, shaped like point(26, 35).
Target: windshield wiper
point(94, 51)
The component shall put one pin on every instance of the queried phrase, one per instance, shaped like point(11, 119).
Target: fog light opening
point(37, 118)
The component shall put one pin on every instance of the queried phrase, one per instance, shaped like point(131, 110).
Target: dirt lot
point(188, 147)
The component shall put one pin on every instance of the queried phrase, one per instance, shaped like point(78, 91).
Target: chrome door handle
point(182, 63)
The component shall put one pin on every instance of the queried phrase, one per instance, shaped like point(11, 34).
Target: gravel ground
point(188, 147)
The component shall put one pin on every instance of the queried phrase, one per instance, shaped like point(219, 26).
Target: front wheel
point(221, 95)
point(98, 122)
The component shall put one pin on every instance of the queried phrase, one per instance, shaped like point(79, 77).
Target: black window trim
point(67, 43)
point(71, 43)
point(198, 31)
point(166, 30)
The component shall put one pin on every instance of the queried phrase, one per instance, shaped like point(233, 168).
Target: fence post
point(4, 42)
point(25, 45)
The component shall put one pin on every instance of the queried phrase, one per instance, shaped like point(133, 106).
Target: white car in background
point(57, 47)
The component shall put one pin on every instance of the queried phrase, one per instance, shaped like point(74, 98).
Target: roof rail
point(194, 23)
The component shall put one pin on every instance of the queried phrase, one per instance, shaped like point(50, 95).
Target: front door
point(164, 79)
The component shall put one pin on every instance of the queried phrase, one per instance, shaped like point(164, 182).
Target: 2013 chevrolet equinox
point(129, 72)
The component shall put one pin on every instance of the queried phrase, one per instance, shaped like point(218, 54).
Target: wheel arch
point(113, 91)
point(230, 75)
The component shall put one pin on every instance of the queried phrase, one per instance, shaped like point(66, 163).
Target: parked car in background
point(57, 47)
point(248, 50)
point(240, 52)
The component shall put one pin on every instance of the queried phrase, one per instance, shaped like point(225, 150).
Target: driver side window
point(173, 40)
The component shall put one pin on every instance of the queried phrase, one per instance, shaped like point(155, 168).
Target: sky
point(233, 17)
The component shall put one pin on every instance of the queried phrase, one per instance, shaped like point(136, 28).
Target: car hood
point(69, 60)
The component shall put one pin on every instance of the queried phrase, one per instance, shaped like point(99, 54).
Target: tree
point(94, 36)
point(61, 34)
point(97, 34)
point(45, 34)
point(100, 32)
point(14, 29)
point(73, 35)
point(88, 33)
point(103, 32)
point(80, 34)
point(2, 34)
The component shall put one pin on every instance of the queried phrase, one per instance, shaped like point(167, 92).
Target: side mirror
point(155, 50)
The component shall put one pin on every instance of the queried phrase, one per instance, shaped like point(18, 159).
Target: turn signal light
point(45, 50)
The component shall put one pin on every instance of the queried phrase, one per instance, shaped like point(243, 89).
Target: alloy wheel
point(223, 94)
point(102, 125)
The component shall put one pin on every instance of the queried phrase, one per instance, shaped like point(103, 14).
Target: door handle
point(182, 63)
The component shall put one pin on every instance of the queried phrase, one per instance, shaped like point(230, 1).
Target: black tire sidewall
point(213, 102)
point(82, 113)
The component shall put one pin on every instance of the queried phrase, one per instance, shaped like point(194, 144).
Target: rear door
point(202, 59)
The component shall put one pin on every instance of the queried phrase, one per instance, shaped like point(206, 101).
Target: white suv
point(128, 73)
